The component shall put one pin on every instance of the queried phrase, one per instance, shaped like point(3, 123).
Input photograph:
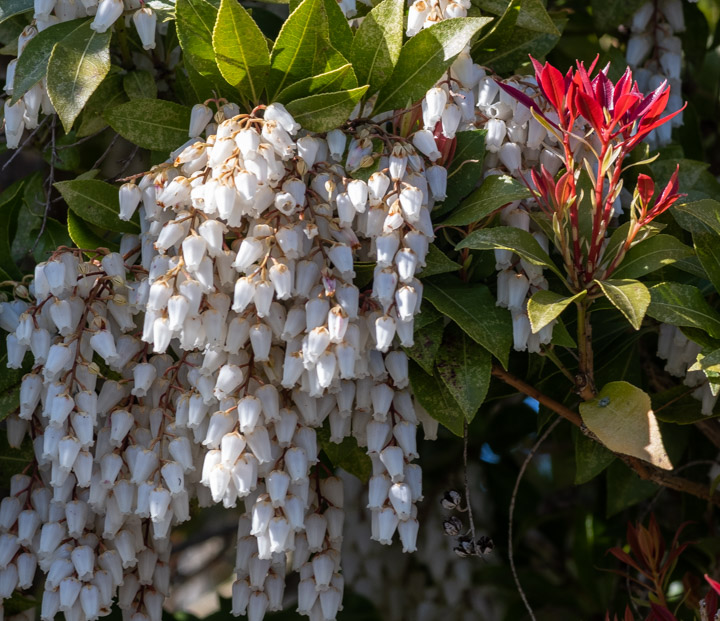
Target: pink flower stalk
point(620, 117)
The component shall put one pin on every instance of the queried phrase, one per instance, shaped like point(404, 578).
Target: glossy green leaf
point(707, 248)
point(508, 238)
point(465, 170)
point(53, 236)
point(545, 306)
point(195, 21)
point(698, 216)
point(340, 79)
point(533, 14)
point(8, 8)
point(151, 123)
point(424, 58)
point(473, 308)
point(437, 262)
point(625, 488)
point(630, 297)
point(82, 234)
point(609, 14)
point(464, 367)
point(591, 458)
point(376, 46)
point(33, 63)
point(650, 255)
point(76, 68)
point(139, 85)
point(10, 201)
point(495, 192)
point(427, 344)
point(326, 111)
point(302, 40)
point(621, 417)
point(346, 454)
point(97, 202)
point(515, 52)
point(339, 31)
point(432, 394)
point(683, 305)
point(501, 32)
point(241, 50)
point(109, 94)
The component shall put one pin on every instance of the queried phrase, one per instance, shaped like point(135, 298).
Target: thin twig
point(511, 556)
point(643, 469)
point(81, 140)
point(105, 153)
point(126, 164)
point(25, 143)
point(50, 181)
point(467, 485)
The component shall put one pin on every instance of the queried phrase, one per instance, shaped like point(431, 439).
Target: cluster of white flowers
point(654, 52)
point(422, 587)
point(681, 354)
point(25, 112)
point(246, 254)
point(425, 13)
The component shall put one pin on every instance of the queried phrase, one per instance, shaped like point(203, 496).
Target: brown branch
point(643, 470)
point(533, 392)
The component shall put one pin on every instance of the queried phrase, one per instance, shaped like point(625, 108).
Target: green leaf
point(630, 297)
point(533, 15)
point(326, 111)
point(464, 368)
point(54, 236)
point(342, 78)
point(376, 46)
point(424, 58)
point(707, 248)
point(82, 234)
point(340, 33)
point(495, 192)
point(346, 455)
point(241, 50)
point(509, 238)
point(301, 41)
point(515, 52)
point(501, 32)
point(437, 262)
point(561, 337)
point(10, 201)
point(545, 306)
point(109, 94)
point(432, 394)
point(33, 63)
point(465, 169)
point(76, 68)
point(8, 8)
point(609, 14)
point(625, 488)
point(140, 85)
point(621, 417)
point(151, 123)
point(473, 308)
point(651, 255)
point(591, 458)
point(427, 343)
point(683, 305)
point(699, 216)
point(97, 202)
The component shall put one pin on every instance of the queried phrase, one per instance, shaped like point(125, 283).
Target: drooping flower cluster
point(654, 51)
point(238, 334)
point(24, 113)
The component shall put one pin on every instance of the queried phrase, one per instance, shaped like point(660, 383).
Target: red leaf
point(553, 84)
point(715, 585)
point(625, 558)
point(711, 602)
point(660, 613)
point(646, 188)
point(591, 110)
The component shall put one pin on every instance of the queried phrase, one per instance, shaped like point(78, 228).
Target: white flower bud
point(108, 12)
